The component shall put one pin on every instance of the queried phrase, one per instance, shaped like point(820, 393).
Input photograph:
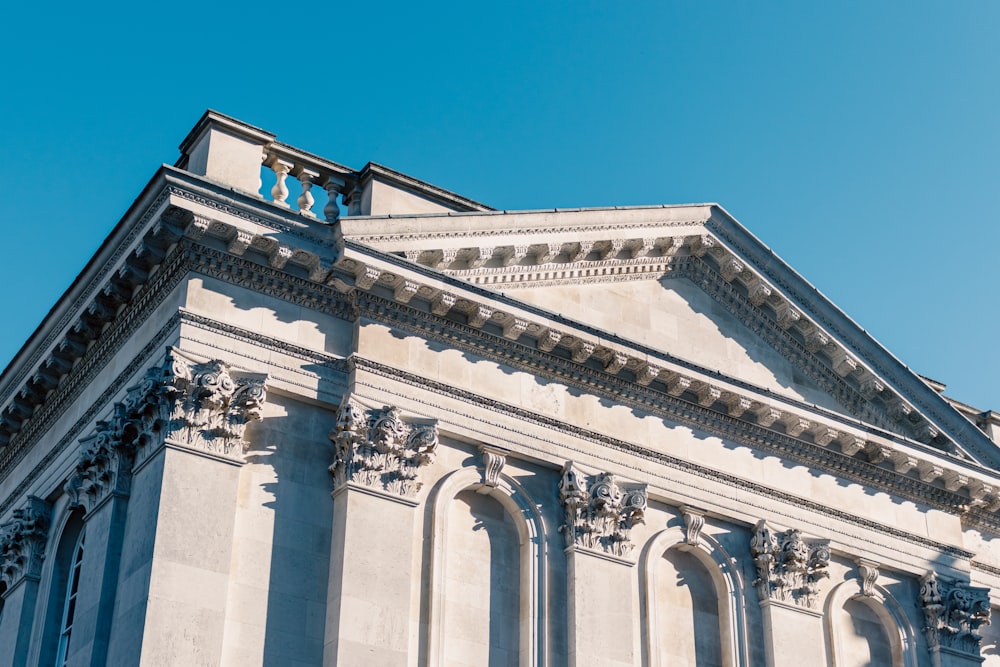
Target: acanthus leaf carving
point(953, 614)
point(600, 510)
point(789, 568)
point(22, 542)
point(201, 406)
point(377, 449)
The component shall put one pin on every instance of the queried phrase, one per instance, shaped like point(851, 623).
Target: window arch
point(69, 604)
point(700, 578)
point(868, 630)
point(62, 601)
point(455, 497)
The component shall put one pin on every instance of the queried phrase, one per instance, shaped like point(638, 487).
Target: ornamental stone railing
point(600, 511)
point(378, 450)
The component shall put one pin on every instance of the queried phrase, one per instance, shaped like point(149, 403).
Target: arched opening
point(62, 603)
point(3, 594)
point(863, 638)
point(482, 601)
point(688, 630)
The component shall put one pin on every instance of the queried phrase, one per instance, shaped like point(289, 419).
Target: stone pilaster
point(377, 461)
point(22, 549)
point(179, 408)
point(789, 572)
point(600, 512)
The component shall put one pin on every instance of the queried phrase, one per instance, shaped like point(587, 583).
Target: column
point(22, 548)
point(376, 463)
point(789, 571)
point(601, 510)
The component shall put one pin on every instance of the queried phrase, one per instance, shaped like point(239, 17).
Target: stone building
point(430, 433)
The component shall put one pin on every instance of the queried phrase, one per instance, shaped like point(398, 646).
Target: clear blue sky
point(858, 139)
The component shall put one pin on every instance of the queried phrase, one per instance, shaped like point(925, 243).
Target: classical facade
point(428, 433)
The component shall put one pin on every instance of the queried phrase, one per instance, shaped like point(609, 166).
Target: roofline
point(908, 383)
point(84, 283)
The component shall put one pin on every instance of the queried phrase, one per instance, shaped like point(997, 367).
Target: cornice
point(396, 291)
point(834, 320)
point(877, 472)
point(644, 454)
point(633, 250)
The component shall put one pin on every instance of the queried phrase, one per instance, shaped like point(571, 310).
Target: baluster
point(279, 192)
point(353, 200)
point(306, 200)
point(333, 186)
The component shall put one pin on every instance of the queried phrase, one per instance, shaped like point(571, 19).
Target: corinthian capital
point(601, 510)
point(201, 406)
point(378, 449)
point(22, 542)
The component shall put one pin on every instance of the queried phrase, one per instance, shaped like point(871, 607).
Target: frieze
point(662, 458)
point(789, 568)
point(953, 614)
point(663, 404)
point(600, 510)
point(375, 239)
point(378, 450)
point(22, 542)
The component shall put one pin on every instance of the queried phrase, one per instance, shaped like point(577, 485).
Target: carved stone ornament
point(493, 463)
point(789, 568)
point(600, 511)
point(868, 570)
point(200, 406)
point(22, 542)
point(377, 449)
point(694, 521)
point(953, 614)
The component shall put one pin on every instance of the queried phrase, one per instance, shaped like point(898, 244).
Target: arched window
point(69, 606)
point(62, 600)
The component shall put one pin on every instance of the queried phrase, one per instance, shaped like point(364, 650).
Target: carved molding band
point(788, 567)
point(377, 449)
point(600, 510)
point(200, 406)
point(22, 543)
point(953, 614)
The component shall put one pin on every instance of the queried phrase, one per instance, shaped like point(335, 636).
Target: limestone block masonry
point(296, 413)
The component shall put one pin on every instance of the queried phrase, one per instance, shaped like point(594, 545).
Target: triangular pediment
point(689, 282)
point(675, 316)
